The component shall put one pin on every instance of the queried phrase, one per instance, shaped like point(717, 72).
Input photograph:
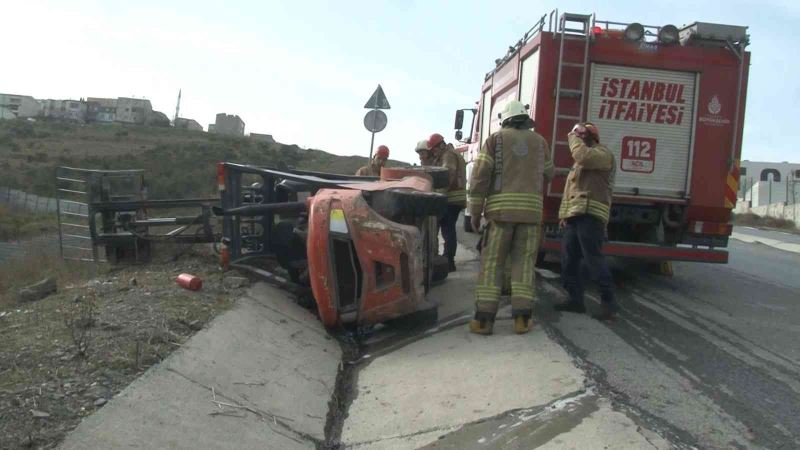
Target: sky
point(302, 70)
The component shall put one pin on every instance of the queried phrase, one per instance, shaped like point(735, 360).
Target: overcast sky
point(302, 70)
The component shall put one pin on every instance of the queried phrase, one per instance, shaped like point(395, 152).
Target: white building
point(764, 183)
point(64, 109)
point(133, 110)
point(19, 106)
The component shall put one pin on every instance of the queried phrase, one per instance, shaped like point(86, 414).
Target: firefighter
point(506, 187)
point(423, 153)
point(373, 169)
point(583, 216)
point(444, 155)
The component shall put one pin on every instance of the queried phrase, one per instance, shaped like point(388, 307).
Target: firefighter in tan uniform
point(444, 155)
point(373, 169)
point(584, 213)
point(506, 187)
point(423, 153)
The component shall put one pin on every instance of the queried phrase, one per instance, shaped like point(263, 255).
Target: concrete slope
point(269, 365)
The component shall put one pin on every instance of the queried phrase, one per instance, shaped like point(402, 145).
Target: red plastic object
point(189, 281)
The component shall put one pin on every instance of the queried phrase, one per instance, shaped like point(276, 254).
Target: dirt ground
point(65, 356)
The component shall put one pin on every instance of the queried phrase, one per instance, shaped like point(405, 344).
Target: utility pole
point(177, 109)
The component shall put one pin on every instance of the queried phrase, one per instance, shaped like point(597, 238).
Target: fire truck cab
point(669, 103)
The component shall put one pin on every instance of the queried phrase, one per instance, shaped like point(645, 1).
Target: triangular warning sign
point(378, 100)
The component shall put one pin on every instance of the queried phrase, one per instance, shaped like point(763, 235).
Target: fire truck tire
point(416, 203)
point(439, 175)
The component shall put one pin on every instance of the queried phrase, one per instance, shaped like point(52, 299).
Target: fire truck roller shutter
point(646, 117)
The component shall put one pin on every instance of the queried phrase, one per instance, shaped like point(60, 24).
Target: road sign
point(375, 121)
point(378, 100)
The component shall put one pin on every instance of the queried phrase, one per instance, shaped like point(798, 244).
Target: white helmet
point(513, 108)
point(421, 146)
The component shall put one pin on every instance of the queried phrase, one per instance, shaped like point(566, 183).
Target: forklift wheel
point(417, 203)
point(439, 175)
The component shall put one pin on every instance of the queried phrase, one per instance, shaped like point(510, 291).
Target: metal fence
point(30, 202)
point(39, 246)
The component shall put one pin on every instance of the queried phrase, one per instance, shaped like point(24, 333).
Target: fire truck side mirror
point(459, 135)
point(459, 120)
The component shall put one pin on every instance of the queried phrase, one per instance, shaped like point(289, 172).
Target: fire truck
point(669, 103)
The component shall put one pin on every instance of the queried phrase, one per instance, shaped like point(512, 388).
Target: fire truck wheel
point(416, 203)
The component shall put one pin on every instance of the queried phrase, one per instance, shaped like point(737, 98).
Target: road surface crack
point(272, 420)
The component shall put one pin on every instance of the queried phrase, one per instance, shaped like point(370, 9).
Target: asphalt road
point(709, 357)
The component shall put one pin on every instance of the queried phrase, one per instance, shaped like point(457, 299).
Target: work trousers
point(583, 241)
point(520, 242)
point(447, 225)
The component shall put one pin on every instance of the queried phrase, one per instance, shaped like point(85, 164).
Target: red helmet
point(383, 152)
point(435, 140)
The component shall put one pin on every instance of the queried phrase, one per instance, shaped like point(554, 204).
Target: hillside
point(177, 163)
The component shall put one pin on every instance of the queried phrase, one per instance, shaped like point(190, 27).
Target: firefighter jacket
point(370, 170)
point(590, 182)
point(507, 176)
point(457, 175)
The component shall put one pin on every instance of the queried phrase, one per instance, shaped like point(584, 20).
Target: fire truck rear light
point(668, 34)
point(221, 176)
point(634, 32)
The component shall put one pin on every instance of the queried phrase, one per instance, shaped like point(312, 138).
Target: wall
point(767, 192)
point(752, 170)
point(777, 210)
point(20, 105)
point(133, 110)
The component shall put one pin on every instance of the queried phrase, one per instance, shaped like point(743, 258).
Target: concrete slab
point(606, 428)
point(775, 243)
point(454, 378)
point(269, 357)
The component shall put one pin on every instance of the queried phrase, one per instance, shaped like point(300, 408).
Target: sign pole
point(372, 140)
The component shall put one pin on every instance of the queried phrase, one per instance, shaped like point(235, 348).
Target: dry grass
point(753, 220)
point(26, 270)
point(66, 354)
point(16, 224)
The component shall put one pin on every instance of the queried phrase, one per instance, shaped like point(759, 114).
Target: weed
point(80, 318)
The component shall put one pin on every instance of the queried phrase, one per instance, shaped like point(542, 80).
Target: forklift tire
point(439, 175)
point(417, 203)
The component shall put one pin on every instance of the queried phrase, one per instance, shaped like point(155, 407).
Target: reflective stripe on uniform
point(487, 290)
point(483, 157)
point(457, 196)
point(599, 210)
point(548, 165)
point(514, 202)
point(578, 206)
point(521, 290)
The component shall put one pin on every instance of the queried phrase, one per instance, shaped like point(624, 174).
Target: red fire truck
point(669, 103)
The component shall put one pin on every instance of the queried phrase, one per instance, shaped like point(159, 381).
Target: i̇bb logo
point(638, 154)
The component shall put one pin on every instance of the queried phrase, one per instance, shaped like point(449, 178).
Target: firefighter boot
point(522, 321)
point(483, 323)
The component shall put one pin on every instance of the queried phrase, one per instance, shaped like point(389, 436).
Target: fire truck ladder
point(575, 27)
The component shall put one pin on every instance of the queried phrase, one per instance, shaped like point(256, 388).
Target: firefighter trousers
point(583, 243)
point(448, 227)
point(520, 243)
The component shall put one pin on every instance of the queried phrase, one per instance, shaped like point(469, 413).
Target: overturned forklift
point(367, 247)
